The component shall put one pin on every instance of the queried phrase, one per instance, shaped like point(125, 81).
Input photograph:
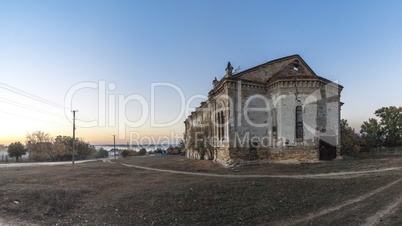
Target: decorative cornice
point(304, 82)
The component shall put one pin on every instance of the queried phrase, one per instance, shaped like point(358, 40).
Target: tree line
point(42, 147)
point(385, 131)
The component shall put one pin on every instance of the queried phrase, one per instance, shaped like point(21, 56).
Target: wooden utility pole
point(114, 146)
point(74, 133)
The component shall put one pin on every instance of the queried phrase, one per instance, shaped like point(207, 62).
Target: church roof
point(289, 66)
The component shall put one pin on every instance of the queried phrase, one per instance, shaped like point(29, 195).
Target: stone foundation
point(222, 156)
point(233, 156)
point(297, 153)
point(291, 153)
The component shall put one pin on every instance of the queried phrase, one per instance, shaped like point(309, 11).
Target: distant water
point(150, 147)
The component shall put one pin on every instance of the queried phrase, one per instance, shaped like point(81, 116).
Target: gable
point(284, 67)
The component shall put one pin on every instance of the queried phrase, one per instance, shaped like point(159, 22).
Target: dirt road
point(25, 164)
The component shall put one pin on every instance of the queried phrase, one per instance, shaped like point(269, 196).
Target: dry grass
point(102, 193)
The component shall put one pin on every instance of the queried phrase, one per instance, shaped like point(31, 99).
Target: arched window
point(299, 122)
point(221, 121)
point(220, 118)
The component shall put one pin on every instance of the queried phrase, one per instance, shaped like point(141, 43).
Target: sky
point(110, 59)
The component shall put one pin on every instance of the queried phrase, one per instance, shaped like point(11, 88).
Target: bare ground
point(100, 193)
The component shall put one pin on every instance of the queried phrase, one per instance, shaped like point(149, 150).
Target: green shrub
point(125, 153)
point(101, 153)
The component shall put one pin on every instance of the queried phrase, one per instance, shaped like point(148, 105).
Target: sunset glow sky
point(101, 54)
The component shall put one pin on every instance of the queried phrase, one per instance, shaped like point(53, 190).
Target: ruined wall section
point(252, 114)
point(329, 108)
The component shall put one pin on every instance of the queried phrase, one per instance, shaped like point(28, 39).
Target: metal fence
point(386, 151)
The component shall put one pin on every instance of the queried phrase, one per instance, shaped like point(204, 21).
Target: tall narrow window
point(274, 125)
point(223, 125)
point(299, 122)
point(218, 117)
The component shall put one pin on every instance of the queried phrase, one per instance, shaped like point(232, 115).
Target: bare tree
point(39, 146)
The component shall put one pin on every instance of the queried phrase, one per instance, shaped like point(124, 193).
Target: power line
point(39, 99)
point(22, 116)
point(30, 95)
point(8, 101)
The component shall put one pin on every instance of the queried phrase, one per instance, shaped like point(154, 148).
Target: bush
point(158, 151)
point(142, 151)
point(101, 153)
point(125, 153)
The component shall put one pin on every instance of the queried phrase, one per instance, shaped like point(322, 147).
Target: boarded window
point(218, 117)
point(222, 126)
point(274, 124)
point(299, 122)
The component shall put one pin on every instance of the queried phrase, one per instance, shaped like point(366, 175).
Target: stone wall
point(295, 153)
point(288, 153)
point(222, 156)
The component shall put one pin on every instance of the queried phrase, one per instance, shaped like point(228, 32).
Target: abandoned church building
point(277, 111)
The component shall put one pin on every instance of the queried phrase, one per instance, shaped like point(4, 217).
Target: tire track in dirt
point(338, 175)
point(15, 222)
point(344, 204)
point(107, 161)
point(388, 210)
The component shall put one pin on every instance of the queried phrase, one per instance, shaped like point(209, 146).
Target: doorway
point(327, 151)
